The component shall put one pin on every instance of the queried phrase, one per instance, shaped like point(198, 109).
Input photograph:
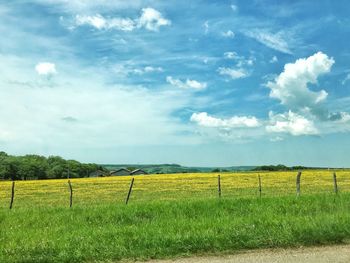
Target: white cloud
point(153, 69)
point(147, 69)
point(196, 84)
point(188, 84)
point(100, 22)
point(231, 55)
point(240, 60)
point(275, 41)
point(150, 19)
point(291, 123)
point(123, 24)
point(274, 59)
point(45, 68)
point(290, 87)
point(228, 34)
point(233, 73)
point(203, 119)
point(96, 21)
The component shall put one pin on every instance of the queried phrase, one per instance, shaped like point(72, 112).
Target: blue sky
point(207, 83)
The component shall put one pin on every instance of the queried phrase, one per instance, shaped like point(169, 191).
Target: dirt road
point(326, 254)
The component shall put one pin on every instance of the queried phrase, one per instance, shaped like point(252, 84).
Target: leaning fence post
point(130, 189)
point(71, 194)
point(298, 183)
point(219, 185)
point(12, 194)
point(335, 183)
point(259, 185)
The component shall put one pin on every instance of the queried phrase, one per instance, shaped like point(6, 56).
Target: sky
point(198, 83)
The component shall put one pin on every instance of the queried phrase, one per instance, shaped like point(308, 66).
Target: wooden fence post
point(219, 185)
point(130, 189)
point(259, 185)
point(335, 183)
point(12, 194)
point(71, 194)
point(298, 183)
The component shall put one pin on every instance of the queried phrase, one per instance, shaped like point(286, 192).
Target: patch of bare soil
point(324, 254)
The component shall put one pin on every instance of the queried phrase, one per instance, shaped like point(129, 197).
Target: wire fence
point(106, 190)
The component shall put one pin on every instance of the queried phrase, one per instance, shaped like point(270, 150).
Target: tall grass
point(163, 229)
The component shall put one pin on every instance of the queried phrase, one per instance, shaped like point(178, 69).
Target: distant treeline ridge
point(281, 167)
point(32, 166)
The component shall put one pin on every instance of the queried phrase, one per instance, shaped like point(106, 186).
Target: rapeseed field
point(107, 190)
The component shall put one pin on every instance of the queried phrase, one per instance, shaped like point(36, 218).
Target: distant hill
point(175, 168)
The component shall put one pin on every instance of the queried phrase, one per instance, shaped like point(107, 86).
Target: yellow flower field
point(94, 191)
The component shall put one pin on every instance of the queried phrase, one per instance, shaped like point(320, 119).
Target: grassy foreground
point(168, 229)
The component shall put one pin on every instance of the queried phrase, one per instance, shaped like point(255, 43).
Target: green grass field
point(171, 229)
point(153, 226)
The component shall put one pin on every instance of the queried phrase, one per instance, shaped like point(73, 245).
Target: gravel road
point(325, 254)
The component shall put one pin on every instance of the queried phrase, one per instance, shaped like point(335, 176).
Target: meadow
point(170, 215)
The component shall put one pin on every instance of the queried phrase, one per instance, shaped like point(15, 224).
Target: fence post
point(130, 189)
point(12, 194)
point(298, 183)
point(219, 185)
point(335, 182)
point(71, 194)
point(259, 185)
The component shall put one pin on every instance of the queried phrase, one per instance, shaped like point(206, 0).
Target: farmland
point(170, 215)
point(113, 190)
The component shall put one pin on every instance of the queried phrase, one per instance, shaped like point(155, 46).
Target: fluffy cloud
point(45, 68)
point(233, 73)
point(203, 119)
point(291, 123)
point(188, 84)
point(150, 19)
point(290, 87)
point(228, 34)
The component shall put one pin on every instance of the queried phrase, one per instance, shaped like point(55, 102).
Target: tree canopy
point(29, 167)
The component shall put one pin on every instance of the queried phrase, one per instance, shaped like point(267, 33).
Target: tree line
point(31, 166)
point(280, 167)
